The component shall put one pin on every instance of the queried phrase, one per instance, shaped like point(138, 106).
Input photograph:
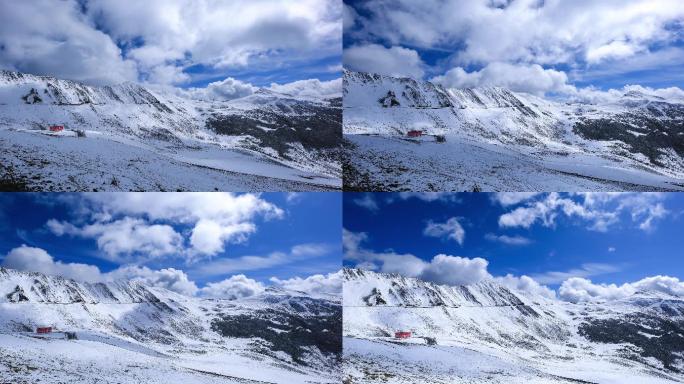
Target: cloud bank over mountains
point(164, 239)
point(172, 42)
point(594, 212)
point(577, 49)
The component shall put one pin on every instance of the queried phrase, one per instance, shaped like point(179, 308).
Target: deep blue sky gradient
point(399, 226)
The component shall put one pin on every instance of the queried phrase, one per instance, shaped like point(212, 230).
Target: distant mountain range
point(135, 138)
point(486, 332)
point(495, 139)
point(138, 333)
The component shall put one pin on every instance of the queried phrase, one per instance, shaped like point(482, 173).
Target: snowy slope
point(488, 333)
point(493, 138)
point(150, 333)
point(156, 140)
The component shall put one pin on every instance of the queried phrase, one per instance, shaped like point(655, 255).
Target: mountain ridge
point(528, 336)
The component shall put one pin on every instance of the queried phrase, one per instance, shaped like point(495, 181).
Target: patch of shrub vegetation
point(645, 135)
point(656, 337)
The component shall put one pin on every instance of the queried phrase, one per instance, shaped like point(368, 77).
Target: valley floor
point(105, 359)
point(35, 161)
point(384, 360)
point(386, 163)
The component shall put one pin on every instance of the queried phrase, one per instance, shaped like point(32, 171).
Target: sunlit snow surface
point(130, 333)
point(139, 139)
point(498, 140)
point(485, 333)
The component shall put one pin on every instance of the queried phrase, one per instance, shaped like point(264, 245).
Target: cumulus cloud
point(455, 270)
point(225, 265)
point(227, 89)
point(525, 45)
point(585, 270)
point(160, 38)
point(579, 289)
point(451, 229)
point(520, 78)
point(52, 38)
point(349, 16)
point(235, 287)
point(124, 239)
point(216, 219)
point(31, 259)
point(310, 88)
point(367, 201)
point(512, 198)
point(427, 197)
point(442, 269)
point(25, 258)
point(330, 283)
point(509, 240)
point(548, 32)
point(393, 61)
point(168, 278)
point(599, 210)
point(526, 284)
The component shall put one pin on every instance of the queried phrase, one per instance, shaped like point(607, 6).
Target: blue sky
point(608, 239)
point(557, 47)
point(261, 236)
point(180, 43)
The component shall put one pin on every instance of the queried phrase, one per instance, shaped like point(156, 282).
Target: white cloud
point(235, 287)
point(455, 270)
point(216, 219)
point(513, 44)
point(209, 236)
point(125, 239)
point(25, 258)
point(612, 50)
point(549, 32)
point(451, 229)
point(512, 198)
point(227, 89)
point(599, 210)
point(585, 270)
point(294, 197)
point(367, 201)
point(520, 78)
point(230, 265)
point(351, 244)
point(168, 278)
point(314, 284)
point(51, 38)
point(394, 61)
point(526, 284)
point(76, 39)
point(310, 88)
point(611, 249)
point(442, 269)
point(349, 16)
point(582, 290)
point(509, 240)
point(428, 197)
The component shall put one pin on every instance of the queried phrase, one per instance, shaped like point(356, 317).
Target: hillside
point(499, 140)
point(128, 137)
point(488, 333)
point(128, 332)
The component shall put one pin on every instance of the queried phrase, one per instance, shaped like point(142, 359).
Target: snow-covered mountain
point(502, 140)
point(128, 332)
point(486, 332)
point(138, 138)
